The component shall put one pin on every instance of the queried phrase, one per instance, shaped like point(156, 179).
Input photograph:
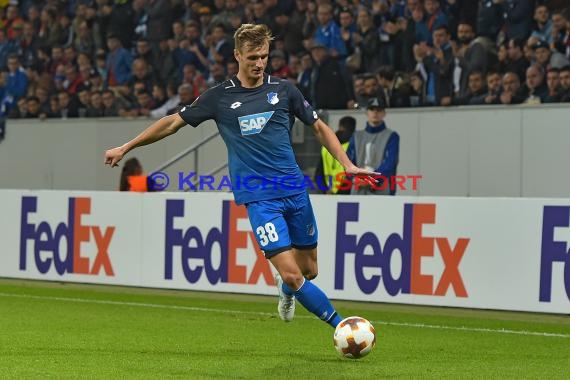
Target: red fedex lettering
point(239, 239)
point(102, 259)
point(424, 247)
point(82, 234)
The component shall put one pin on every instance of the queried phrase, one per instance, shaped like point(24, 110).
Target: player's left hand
point(355, 170)
point(113, 156)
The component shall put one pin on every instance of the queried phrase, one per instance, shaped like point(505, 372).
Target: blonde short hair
point(253, 35)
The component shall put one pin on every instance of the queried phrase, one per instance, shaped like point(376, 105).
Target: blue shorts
point(283, 223)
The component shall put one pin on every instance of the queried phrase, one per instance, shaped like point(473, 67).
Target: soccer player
point(254, 113)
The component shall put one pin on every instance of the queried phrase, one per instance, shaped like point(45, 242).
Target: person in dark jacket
point(330, 84)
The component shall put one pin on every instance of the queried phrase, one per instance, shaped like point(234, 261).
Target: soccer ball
point(354, 337)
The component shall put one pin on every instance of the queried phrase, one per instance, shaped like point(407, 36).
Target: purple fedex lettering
point(348, 212)
point(412, 245)
point(193, 246)
point(74, 232)
point(552, 250)
point(45, 240)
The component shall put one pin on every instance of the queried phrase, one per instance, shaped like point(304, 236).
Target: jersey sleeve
point(204, 108)
point(300, 107)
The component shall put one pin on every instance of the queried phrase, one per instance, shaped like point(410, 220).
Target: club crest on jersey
point(252, 124)
point(272, 98)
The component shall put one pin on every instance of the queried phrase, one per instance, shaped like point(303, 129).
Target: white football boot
point(286, 306)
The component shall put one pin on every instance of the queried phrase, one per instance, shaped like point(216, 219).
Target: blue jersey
point(255, 124)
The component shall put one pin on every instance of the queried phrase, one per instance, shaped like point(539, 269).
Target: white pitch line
point(226, 311)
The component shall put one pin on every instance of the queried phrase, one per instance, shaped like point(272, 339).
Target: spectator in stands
point(29, 45)
point(565, 84)
point(53, 111)
point(159, 21)
point(475, 90)
point(435, 18)
point(417, 91)
point(518, 17)
point(370, 89)
point(493, 93)
point(196, 53)
point(278, 64)
point(304, 77)
point(111, 105)
point(13, 22)
point(217, 74)
point(142, 73)
point(84, 42)
point(165, 99)
point(347, 30)
point(548, 59)
point(19, 110)
point(419, 25)
point(490, 18)
point(375, 148)
point(536, 85)
point(554, 88)
point(186, 95)
point(543, 24)
point(473, 53)
point(330, 84)
point(119, 62)
point(328, 32)
point(436, 64)
point(16, 81)
point(512, 92)
point(7, 47)
point(221, 49)
point(42, 94)
point(559, 31)
point(390, 88)
point(516, 60)
point(368, 41)
point(83, 102)
point(72, 82)
point(67, 106)
point(95, 108)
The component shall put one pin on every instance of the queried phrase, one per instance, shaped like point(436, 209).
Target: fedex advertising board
point(510, 254)
point(64, 236)
point(202, 242)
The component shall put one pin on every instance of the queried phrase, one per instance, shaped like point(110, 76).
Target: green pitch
point(51, 330)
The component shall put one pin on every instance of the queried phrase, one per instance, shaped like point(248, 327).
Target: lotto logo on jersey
point(45, 241)
point(413, 247)
point(252, 124)
point(213, 253)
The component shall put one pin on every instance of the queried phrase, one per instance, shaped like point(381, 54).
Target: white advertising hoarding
point(491, 253)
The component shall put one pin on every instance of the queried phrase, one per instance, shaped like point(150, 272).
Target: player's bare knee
point(311, 274)
point(292, 279)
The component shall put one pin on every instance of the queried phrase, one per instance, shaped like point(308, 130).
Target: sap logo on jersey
point(252, 124)
point(412, 245)
point(46, 241)
point(214, 253)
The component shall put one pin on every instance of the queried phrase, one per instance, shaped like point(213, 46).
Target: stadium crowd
point(131, 58)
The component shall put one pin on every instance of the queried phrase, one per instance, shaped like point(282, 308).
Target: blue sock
point(287, 290)
point(314, 300)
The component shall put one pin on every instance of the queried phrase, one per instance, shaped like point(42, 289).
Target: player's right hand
point(113, 156)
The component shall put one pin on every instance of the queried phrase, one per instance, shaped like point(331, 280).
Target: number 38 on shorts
point(266, 234)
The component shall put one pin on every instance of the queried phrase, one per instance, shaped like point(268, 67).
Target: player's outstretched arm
point(156, 131)
point(328, 139)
